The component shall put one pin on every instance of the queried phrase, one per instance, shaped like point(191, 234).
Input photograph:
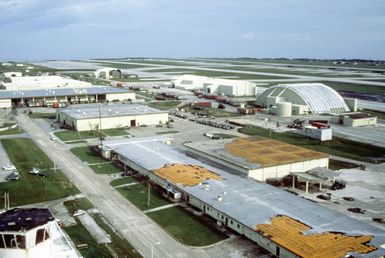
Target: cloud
point(249, 35)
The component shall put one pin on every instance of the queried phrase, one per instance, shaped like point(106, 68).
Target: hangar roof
point(92, 90)
point(248, 201)
point(108, 110)
point(319, 97)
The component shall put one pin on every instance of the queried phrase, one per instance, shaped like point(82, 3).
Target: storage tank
point(284, 109)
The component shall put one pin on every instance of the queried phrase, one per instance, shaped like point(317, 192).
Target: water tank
point(284, 109)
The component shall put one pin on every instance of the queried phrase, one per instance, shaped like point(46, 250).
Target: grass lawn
point(87, 154)
point(167, 132)
point(337, 146)
point(75, 135)
point(11, 131)
point(119, 244)
point(123, 180)
point(74, 205)
point(42, 115)
point(137, 195)
point(354, 87)
point(80, 235)
point(186, 227)
point(217, 73)
point(164, 105)
point(25, 154)
point(108, 168)
point(225, 135)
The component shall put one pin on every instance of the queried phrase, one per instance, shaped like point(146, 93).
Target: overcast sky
point(72, 29)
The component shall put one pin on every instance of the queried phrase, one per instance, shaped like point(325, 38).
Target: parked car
point(13, 176)
point(34, 171)
point(9, 167)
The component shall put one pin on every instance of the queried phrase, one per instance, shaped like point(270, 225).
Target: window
point(20, 241)
point(10, 241)
point(39, 236)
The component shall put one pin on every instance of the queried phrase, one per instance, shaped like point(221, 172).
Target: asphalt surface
point(139, 230)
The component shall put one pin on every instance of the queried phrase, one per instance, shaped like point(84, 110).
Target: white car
point(34, 171)
point(9, 167)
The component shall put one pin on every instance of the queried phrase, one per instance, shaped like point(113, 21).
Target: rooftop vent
point(12, 223)
point(219, 198)
point(207, 187)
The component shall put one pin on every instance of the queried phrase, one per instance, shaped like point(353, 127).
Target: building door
point(133, 123)
point(226, 221)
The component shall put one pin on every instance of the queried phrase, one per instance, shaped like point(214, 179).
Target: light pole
point(152, 248)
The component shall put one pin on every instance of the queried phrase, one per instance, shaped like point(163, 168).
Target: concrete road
point(125, 217)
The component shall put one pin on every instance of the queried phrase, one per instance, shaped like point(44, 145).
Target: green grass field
point(167, 132)
point(74, 205)
point(42, 115)
point(25, 155)
point(186, 227)
point(75, 135)
point(137, 195)
point(215, 112)
point(11, 131)
point(108, 168)
point(123, 180)
point(80, 235)
point(164, 105)
point(337, 146)
point(217, 73)
point(88, 155)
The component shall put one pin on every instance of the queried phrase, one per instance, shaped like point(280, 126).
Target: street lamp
point(152, 248)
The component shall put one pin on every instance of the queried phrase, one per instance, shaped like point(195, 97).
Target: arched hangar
point(302, 98)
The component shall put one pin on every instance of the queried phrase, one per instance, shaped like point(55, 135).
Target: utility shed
point(90, 117)
point(260, 158)
point(282, 223)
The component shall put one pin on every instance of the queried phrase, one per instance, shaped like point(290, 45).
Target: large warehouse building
point(230, 87)
point(90, 117)
point(42, 97)
point(189, 82)
point(301, 99)
point(280, 222)
point(42, 82)
point(215, 86)
point(260, 158)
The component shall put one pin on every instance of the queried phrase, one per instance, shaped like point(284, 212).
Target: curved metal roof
point(319, 97)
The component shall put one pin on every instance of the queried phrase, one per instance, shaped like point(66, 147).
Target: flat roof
point(256, 152)
point(24, 219)
point(91, 90)
point(246, 200)
point(108, 110)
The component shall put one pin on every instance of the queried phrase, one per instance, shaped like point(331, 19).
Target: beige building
point(354, 119)
point(92, 117)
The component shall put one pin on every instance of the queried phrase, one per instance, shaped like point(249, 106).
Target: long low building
point(40, 97)
point(92, 117)
point(260, 158)
point(42, 82)
point(278, 221)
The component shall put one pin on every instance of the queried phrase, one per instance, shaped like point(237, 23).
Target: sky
point(78, 29)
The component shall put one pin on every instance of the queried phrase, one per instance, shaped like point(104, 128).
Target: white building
point(90, 117)
point(189, 82)
point(12, 74)
point(302, 98)
point(46, 97)
point(43, 82)
point(229, 87)
point(33, 233)
point(280, 222)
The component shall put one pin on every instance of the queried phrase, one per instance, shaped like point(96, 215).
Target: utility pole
point(148, 194)
point(100, 129)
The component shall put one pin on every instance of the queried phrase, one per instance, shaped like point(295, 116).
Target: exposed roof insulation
point(291, 234)
point(269, 152)
point(187, 175)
